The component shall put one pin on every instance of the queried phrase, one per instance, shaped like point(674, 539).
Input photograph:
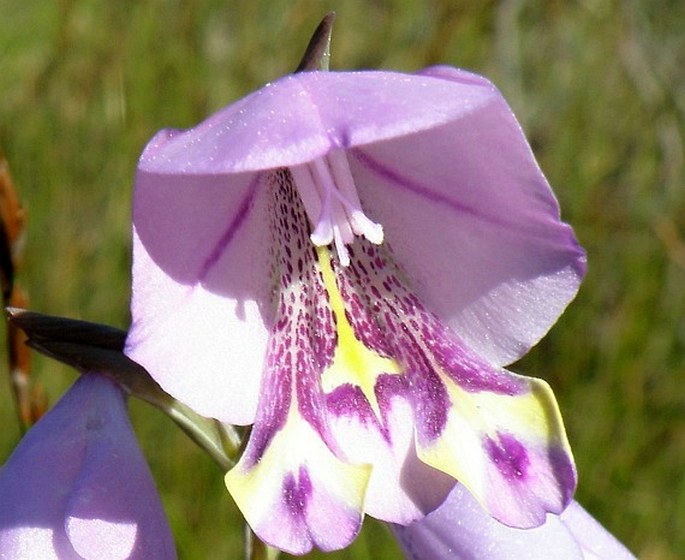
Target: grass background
point(599, 87)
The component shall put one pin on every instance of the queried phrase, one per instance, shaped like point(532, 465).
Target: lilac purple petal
point(77, 486)
point(231, 317)
point(201, 300)
point(303, 116)
point(443, 167)
point(461, 530)
point(477, 229)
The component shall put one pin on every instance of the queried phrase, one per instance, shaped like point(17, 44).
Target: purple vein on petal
point(232, 228)
point(563, 240)
point(393, 177)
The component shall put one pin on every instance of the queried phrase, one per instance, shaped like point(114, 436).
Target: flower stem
point(256, 549)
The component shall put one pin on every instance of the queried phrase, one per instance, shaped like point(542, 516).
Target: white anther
point(330, 198)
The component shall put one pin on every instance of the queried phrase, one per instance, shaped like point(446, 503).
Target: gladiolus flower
point(459, 530)
point(77, 486)
point(347, 261)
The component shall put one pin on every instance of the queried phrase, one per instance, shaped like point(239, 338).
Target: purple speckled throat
point(353, 352)
point(386, 317)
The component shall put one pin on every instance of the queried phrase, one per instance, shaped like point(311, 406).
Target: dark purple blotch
point(349, 400)
point(432, 405)
point(297, 490)
point(509, 455)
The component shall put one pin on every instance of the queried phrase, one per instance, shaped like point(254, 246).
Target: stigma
point(330, 199)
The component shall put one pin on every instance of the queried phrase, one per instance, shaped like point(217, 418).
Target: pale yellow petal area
point(532, 419)
point(353, 362)
point(329, 511)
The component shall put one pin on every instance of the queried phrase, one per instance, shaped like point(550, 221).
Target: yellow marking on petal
point(532, 417)
point(353, 362)
point(258, 488)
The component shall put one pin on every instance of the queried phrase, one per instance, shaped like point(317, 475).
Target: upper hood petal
point(303, 116)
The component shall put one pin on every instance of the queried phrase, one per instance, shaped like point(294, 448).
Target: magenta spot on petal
point(509, 455)
point(432, 405)
point(389, 386)
point(273, 411)
point(297, 492)
point(349, 400)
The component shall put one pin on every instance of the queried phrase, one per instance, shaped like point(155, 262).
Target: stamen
point(361, 225)
point(332, 207)
point(330, 198)
point(310, 194)
point(347, 194)
point(324, 233)
point(341, 249)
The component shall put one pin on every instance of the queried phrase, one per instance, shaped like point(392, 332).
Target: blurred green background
point(599, 87)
